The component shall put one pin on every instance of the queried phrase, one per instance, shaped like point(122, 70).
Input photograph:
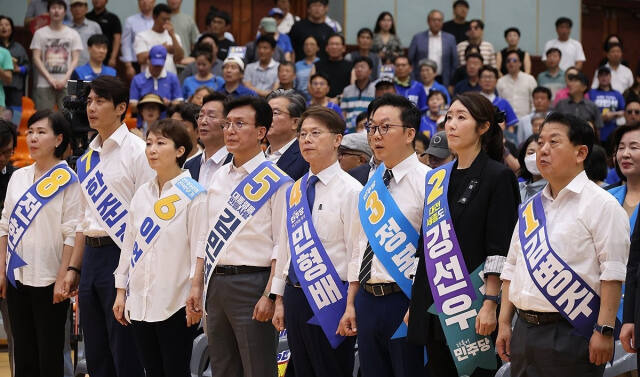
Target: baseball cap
point(438, 145)
point(357, 142)
point(78, 2)
point(234, 59)
point(276, 12)
point(268, 24)
point(157, 55)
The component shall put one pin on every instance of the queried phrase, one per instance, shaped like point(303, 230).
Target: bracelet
point(76, 269)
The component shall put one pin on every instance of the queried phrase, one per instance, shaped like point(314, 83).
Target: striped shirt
point(354, 101)
point(486, 50)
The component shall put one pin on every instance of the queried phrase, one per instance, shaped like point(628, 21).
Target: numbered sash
point(246, 199)
point(164, 211)
point(29, 205)
point(319, 280)
point(457, 296)
point(572, 297)
point(110, 210)
point(391, 236)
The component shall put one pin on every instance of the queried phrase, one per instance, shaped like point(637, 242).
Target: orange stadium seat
point(21, 155)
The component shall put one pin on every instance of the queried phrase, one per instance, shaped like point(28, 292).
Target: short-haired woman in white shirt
point(157, 275)
point(40, 214)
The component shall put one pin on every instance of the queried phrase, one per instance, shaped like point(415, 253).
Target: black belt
point(98, 241)
point(235, 270)
point(382, 289)
point(539, 318)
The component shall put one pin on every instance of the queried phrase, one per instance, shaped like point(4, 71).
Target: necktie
point(311, 197)
point(365, 267)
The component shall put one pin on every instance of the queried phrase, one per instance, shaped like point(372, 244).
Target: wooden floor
point(4, 364)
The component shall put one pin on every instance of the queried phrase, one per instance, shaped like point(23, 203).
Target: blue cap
point(157, 55)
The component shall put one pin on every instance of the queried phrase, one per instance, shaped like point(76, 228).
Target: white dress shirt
point(54, 226)
point(595, 247)
point(571, 49)
point(435, 49)
point(335, 218)
point(275, 156)
point(407, 189)
point(518, 92)
point(211, 165)
point(160, 283)
point(125, 168)
point(257, 243)
point(621, 78)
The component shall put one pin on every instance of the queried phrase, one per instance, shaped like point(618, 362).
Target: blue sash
point(246, 199)
point(559, 284)
point(456, 294)
point(318, 278)
point(110, 210)
point(29, 205)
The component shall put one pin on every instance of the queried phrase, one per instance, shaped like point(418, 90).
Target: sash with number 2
point(245, 200)
point(29, 205)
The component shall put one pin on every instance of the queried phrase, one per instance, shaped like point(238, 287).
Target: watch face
point(607, 330)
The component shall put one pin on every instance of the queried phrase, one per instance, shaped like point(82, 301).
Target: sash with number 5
point(29, 205)
point(457, 296)
point(245, 200)
point(572, 297)
point(166, 209)
point(108, 207)
point(391, 236)
point(319, 280)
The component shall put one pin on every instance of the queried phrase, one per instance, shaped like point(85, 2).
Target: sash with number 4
point(29, 205)
point(457, 296)
point(108, 207)
point(166, 209)
point(245, 200)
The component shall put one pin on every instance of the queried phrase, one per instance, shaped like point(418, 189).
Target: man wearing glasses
point(209, 130)
point(381, 302)
point(632, 111)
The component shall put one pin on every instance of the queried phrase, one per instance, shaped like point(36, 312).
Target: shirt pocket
point(329, 225)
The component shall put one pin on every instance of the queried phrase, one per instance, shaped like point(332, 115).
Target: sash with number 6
point(245, 200)
point(572, 297)
point(29, 205)
point(319, 280)
point(107, 206)
point(456, 294)
point(166, 209)
point(391, 236)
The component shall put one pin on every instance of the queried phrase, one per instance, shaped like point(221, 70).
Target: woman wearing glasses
point(482, 197)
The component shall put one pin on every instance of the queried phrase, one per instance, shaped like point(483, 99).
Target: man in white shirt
point(621, 75)
point(566, 283)
point(161, 33)
point(380, 304)
point(283, 149)
point(239, 308)
point(572, 52)
point(134, 25)
point(209, 130)
point(288, 19)
point(121, 169)
point(517, 86)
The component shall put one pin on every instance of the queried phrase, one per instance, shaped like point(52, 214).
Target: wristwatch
point(605, 330)
point(495, 299)
point(271, 296)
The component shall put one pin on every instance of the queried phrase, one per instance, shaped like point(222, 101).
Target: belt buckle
point(219, 270)
point(377, 292)
point(533, 318)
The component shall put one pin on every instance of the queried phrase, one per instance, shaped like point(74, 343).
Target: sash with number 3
point(29, 205)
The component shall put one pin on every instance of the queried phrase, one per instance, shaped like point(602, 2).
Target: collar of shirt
point(404, 167)
point(372, 164)
point(82, 24)
point(280, 151)
point(153, 184)
point(163, 73)
point(116, 139)
point(576, 185)
point(216, 157)
point(270, 66)
point(328, 173)
point(406, 83)
point(438, 35)
point(491, 97)
point(248, 166)
point(548, 74)
point(141, 16)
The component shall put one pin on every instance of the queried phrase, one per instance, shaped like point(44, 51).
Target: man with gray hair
point(284, 150)
point(435, 45)
point(428, 72)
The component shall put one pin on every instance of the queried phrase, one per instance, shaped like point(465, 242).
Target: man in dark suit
point(283, 148)
point(210, 133)
point(443, 47)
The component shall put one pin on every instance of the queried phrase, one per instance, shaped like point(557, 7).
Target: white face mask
point(530, 163)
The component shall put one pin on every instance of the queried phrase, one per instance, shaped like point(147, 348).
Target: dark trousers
point(311, 352)
point(378, 318)
point(165, 347)
point(38, 330)
point(109, 346)
point(550, 350)
point(239, 346)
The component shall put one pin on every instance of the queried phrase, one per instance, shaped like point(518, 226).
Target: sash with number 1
point(457, 298)
point(318, 278)
point(107, 206)
point(29, 205)
point(166, 209)
point(246, 199)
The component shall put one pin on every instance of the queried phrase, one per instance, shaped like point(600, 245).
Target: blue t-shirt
point(284, 42)
point(441, 88)
point(414, 93)
point(607, 100)
point(191, 84)
point(427, 126)
point(240, 91)
point(167, 86)
point(464, 86)
point(303, 72)
point(510, 116)
point(331, 105)
point(86, 73)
